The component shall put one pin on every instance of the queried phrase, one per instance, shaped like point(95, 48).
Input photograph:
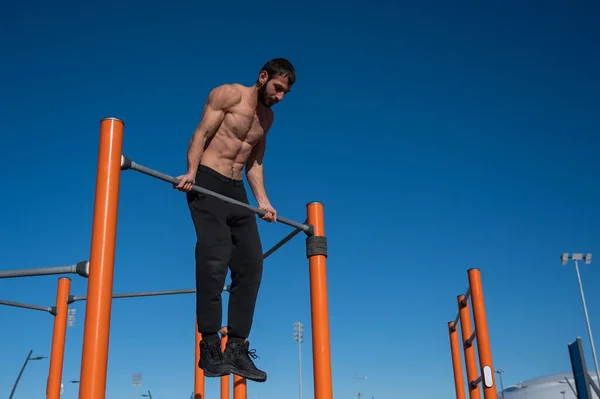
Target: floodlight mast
point(587, 258)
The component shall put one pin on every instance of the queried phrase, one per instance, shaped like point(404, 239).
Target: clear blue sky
point(439, 138)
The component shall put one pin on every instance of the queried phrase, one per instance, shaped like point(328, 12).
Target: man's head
point(275, 79)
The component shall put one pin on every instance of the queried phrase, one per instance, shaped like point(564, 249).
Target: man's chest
point(248, 126)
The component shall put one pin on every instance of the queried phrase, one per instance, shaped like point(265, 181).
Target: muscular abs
point(230, 147)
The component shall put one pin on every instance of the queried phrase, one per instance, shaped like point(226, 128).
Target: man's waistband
point(210, 171)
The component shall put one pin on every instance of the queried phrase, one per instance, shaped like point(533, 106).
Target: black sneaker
point(212, 361)
point(238, 356)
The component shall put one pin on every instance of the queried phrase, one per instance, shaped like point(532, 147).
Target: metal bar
point(81, 268)
point(12, 392)
point(59, 334)
point(483, 339)
point(26, 306)
point(225, 378)
point(199, 379)
point(127, 163)
point(469, 350)
point(94, 359)
point(456, 363)
point(454, 325)
point(240, 388)
point(319, 306)
point(467, 296)
point(283, 241)
point(471, 338)
point(146, 293)
point(571, 386)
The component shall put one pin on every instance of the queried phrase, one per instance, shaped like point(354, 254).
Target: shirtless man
point(230, 136)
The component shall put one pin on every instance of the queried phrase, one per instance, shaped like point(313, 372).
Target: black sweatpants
point(227, 235)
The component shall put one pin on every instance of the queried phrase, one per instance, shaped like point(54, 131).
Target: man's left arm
point(256, 178)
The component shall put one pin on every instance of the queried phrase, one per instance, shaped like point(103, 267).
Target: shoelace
point(252, 353)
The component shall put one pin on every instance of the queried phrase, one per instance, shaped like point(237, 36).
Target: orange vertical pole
point(319, 307)
point(470, 357)
point(102, 255)
point(456, 363)
point(198, 372)
point(483, 339)
point(239, 387)
point(58, 338)
point(225, 378)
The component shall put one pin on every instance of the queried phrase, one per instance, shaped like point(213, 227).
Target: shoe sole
point(211, 374)
point(236, 371)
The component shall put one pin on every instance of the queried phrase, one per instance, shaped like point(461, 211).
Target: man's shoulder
point(226, 95)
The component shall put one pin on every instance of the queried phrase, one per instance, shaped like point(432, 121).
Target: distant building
point(548, 387)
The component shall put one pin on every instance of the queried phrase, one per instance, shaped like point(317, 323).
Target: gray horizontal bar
point(281, 243)
point(127, 163)
point(141, 294)
point(81, 268)
point(26, 306)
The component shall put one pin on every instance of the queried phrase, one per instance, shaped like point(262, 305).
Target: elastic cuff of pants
point(235, 340)
point(211, 338)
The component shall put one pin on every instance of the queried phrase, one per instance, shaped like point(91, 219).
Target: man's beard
point(262, 95)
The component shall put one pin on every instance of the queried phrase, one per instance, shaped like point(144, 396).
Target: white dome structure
point(553, 386)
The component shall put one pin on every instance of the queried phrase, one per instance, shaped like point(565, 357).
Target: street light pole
point(298, 337)
point(500, 372)
point(587, 260)
point(23, 369)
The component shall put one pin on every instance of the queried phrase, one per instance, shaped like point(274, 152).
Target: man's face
point(272, 90)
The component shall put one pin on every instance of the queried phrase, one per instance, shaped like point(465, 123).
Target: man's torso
point(243, 127)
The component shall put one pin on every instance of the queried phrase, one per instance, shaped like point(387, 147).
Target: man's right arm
point(217, 104)
point(219, 99)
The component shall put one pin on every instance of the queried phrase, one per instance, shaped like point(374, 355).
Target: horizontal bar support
point(26, 306)
point(283, 241)
point(466, 298)
point(82, 268)
point(476, 382)
point(470, 340)
point(127, 163)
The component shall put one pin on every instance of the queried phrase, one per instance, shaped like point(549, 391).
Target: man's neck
point(254, 93)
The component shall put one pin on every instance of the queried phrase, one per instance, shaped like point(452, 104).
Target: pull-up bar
point(50, 310)
point(127, 163)
point(82, 268)
point(145, 293)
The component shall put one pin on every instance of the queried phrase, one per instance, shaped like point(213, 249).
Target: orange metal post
point(470, 358)
point(58, 338)
point(239, 387)
point(319, 309)
point(225, 378)
point(102, 255)
point(483, 339)
point(456, 363)
point(198, 372)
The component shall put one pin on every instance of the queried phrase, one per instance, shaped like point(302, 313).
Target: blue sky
point(439, 137)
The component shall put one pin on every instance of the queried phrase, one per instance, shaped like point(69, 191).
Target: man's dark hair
point(280, 67)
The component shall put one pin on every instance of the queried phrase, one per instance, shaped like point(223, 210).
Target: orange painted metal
point(102, 255)
point(239, 387)
point(456, 363)
point(470, 357)
point(58, 338)
point(198, 372)
point(483, 339)
point(224, 379)
point(319, 310)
